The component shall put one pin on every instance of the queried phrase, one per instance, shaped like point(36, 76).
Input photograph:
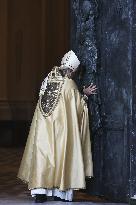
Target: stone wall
point(104, 36)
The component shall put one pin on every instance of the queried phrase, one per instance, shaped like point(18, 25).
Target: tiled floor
point(13, 191)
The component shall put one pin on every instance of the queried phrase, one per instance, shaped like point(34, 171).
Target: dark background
point(110, 26)
point(34, 35)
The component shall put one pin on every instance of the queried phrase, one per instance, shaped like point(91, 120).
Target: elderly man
point(57, 156)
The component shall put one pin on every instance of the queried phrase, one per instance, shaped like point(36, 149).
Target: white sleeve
point(43, 86)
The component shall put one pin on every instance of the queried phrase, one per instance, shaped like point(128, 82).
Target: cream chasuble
point(58, 149)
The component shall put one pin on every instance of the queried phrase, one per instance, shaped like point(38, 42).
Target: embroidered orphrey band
point(49, 100)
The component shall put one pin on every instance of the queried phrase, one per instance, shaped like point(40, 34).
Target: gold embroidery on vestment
point(49, 100)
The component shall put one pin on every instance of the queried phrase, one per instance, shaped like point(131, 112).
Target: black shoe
point(59, 199)
point(40, 198)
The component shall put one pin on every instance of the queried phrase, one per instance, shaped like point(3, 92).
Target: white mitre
point(70, 60)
